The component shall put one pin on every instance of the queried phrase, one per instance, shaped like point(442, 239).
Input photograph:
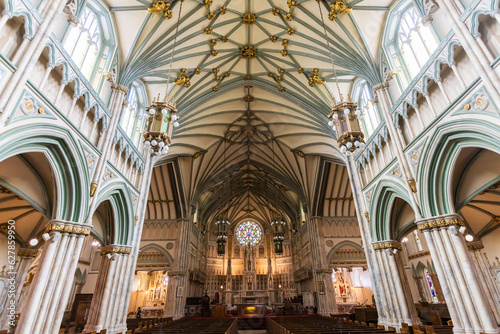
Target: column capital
point(68, 227)
point(440, 221)
point(476, 245)
point(119, 88)
point(380, 86)
point(26, 252)
point(115, 249)
point(176, 273)
point(387, 244)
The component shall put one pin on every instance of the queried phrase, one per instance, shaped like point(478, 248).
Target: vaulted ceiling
point(253, 134)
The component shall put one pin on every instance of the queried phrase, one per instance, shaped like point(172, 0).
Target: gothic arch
point(159, 249)
point(445, 145)
point(66, 160)
point(341, 244)
point(121, 204)
point(384, 196)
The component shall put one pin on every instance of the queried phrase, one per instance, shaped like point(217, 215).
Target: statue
point(205, 305)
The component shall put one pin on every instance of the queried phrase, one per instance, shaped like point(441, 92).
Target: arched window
point(430, 285)
point(83, 42)
point(417, 241)
point(133, 120)
point(370, 116)
point(415, 42)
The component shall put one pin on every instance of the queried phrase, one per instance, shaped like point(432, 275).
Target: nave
point(192, 165)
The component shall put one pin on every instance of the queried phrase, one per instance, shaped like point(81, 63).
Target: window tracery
point(83, 42)
point(415, 42)
point(248, 233)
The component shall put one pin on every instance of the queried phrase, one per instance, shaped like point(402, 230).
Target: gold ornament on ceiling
point(276, 11)
point(224, 39)
point(315, 78)
point(281, 71)
point(208, 30)
point(270, 74)
point(216, 89)
point(291, 4)
point(284, 42)
point(210, 15)
point(183, 79)
point(290, 31)
point(249, 18)
point(288, 17)
point(338, 7)
point(248, 77)
point(284, 53)
point(278, 79)
point(300, 70)
point(214, 53)
point(273, 39)
point(216, 70)
point(248, 52)
point(227, 74)
point(222, 10)
point(218, 78)
point(281, 89)
point(159, 7)
point(207, 3)
point(197, 71)
point(213, 42)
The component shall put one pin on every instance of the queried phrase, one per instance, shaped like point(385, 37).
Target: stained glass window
point(248, 233)
point(431, 287)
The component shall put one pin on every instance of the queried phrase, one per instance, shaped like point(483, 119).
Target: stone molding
point(176, 273)
point(67, 227)
point(24, 252)
point(475, 245)
point(441, 221)
point(115, 249)
point(414, 256)
point(388, 244)
point(120, 88)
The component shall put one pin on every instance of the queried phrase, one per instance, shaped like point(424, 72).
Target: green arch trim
point(66, 159)
point(447, 141)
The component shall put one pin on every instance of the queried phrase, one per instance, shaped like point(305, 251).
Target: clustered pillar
point(108, 296)
point(398, 301)
point(465, 297)
point(49, 292)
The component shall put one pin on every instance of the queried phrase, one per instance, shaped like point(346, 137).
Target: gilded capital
point(442, 221)
point(388, 244)
point(67, 227)
point(115, 249)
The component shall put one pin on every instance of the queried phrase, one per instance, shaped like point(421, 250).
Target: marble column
point(374, 268)
point(53, 279)
point(107, 296)
point(25, 256)
point(402, 301)
point(485, 277)
point(178, 278)
point(322, 274)
point(465, 297)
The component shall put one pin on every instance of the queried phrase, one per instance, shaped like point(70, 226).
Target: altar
point(251, 310)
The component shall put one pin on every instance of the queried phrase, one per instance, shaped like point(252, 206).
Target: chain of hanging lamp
point(162, 114)
point(344, 115)
point(277, 222)
point(222, 219)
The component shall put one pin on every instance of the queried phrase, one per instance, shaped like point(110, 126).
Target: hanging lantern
point(344, 119)
point(344, 116)
point(162, 117)
point(278, 225)
point(222, 223)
